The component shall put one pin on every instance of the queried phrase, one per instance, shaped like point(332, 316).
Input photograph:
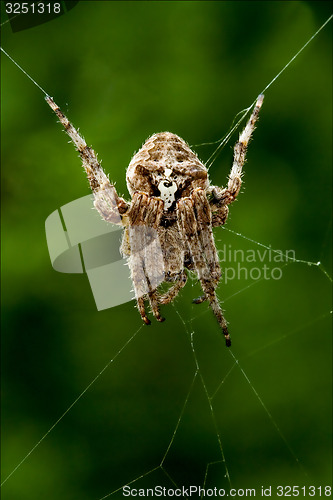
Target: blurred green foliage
point(122, 71)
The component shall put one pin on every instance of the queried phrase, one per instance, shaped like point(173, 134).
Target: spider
point(168, 222)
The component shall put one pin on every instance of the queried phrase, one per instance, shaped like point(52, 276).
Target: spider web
point(171, 406)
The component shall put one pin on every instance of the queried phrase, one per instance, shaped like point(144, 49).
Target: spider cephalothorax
point(166, 167)
point(168, 222)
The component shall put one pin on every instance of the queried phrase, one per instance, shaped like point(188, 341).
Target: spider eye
point(167, 183)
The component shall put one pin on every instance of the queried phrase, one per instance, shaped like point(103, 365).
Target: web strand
point(180, 418)
point(72, 405)
point(23, 71)
point(288, 259)
point(209, 399)
point(270, 416)
point(297, 54)
point(224, 140)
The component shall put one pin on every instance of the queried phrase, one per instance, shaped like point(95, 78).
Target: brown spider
point(168, 223)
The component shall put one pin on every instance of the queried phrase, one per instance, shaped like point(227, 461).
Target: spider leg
point(154, 304)
point(240, 148)
point(204, 221)
point(174, 290)
point(223, 197)
point(107, 202)
point(193, 225)
point(199, 300)
point(153, 300)
point(220, 216)
point(205, 233)
point(142, 310)
point(146, 258)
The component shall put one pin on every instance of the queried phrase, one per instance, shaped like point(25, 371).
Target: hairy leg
point(146, 257)
point(107, 202)
point(220, 197)
point(190, 228)
point(172, 293)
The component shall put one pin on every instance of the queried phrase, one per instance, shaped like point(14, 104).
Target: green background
point(122, 71)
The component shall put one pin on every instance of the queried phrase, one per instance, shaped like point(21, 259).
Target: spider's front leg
point(220, 198)
point(146, 259)
point(107, 202)
point(194, 219)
